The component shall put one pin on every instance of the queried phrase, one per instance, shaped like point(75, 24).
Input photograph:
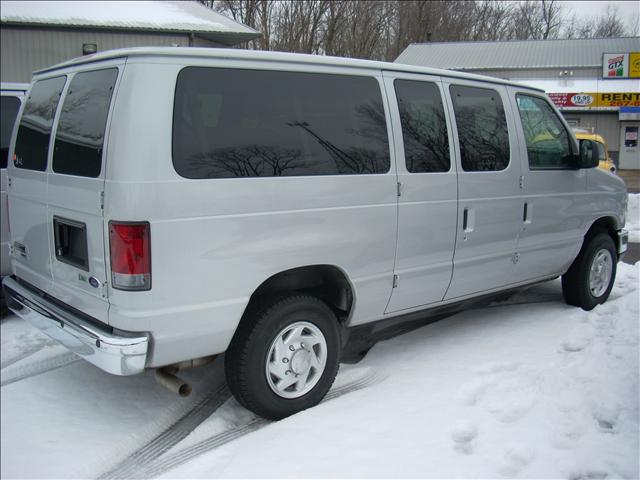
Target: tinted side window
point(482, 128)
point(252, 123)
point(9, 107)
point(80, 133)
point(34, 132)
point(424, 128)
point(548, 144)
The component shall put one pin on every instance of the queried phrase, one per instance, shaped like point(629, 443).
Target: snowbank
point(529, 387)
point(633, 217)
point(536, 390)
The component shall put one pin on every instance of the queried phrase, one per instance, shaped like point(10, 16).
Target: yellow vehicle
point(606, 163)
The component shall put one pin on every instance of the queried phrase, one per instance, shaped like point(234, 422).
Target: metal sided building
point(37, 34)
point(594, 82)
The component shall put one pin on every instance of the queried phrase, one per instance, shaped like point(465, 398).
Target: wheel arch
point(606, 224)
point(328, 282)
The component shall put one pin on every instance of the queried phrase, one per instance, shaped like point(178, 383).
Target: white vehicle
point(11, 96)
point(171, 204)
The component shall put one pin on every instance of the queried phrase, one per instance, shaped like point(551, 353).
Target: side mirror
point(588, 157)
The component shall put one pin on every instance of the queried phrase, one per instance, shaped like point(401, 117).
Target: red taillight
point(130, 247)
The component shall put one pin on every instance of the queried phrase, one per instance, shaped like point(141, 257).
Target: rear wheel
point(284, 356)
point(590, 279)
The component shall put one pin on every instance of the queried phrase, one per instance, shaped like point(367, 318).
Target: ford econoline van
point(169, 204)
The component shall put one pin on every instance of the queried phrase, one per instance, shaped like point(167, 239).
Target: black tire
point(575, 283)
point(246, 357)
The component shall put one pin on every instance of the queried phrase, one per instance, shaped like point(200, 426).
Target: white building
point(576, 75)
point(37, 34)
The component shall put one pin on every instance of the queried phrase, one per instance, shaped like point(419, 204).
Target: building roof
point(153, 16)
point(517, 54)
point(268, 57)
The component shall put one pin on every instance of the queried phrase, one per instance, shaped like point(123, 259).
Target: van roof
point(294, 58)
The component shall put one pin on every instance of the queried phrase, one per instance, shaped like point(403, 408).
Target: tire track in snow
point(16, 374)
point(171, 436)
point(157, 468)
point(22, 355)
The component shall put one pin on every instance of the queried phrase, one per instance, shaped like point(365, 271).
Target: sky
point(627, 9)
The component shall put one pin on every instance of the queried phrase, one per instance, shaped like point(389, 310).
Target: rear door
point(57, 208)
point(11, 100)
point(27, 183)
point(75, 191)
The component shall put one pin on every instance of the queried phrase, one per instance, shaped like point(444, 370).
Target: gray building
point(594, 82)
point(37, 34)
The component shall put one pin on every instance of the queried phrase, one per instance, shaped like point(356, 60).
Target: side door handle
point(468, 220)
point(526, 213)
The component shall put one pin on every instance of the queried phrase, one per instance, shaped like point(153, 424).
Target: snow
point(155, 15)
point(633, 217)
point(528, 387)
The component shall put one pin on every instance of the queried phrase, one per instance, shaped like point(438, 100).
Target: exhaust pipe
point(165, 377)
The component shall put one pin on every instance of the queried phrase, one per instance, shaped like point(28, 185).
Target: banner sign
point(621, 65)
point(595, 100)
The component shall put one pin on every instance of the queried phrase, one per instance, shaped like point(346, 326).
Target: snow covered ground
point(633, 217)
point(524, 388)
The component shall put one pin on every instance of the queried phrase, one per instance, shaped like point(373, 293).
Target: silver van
point(171, 204)
point(11, 95)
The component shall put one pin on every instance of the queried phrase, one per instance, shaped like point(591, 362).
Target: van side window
point(9, 111)
point(424, 128)
point(482, 128)
point(548, 143)
point(255, 123)
point(34, 132)
point(80, 133)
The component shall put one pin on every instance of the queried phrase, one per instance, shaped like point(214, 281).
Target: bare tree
point(382, 29)
point(537, 20)
point(607, 25)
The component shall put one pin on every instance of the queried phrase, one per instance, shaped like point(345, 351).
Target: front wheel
point(590, 279)
point(284, 356)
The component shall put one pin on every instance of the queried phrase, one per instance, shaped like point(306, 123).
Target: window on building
point(548, 142)
point(34, 131)
point(256, 123)
point(424, 128)
point(482, 128)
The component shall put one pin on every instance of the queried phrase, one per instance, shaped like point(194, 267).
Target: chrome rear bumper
point(117, 352)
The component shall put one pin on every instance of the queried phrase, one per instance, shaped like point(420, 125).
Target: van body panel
point(214, 241)
point(427, 218)
point(606, 197)
point(492, 203)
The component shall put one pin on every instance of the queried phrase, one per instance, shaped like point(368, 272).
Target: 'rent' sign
point(595, 100)
point(621, 65)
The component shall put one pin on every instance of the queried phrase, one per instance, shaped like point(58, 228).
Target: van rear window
point(256, 123)
point(8, 111)
point(83, 120)
point(34, 132)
